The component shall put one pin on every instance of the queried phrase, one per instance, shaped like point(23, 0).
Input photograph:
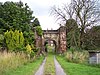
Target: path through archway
point(50, 46)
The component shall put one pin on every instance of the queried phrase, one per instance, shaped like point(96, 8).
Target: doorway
point(50, 46)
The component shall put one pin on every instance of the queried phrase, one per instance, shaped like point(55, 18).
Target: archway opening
point(50, 46)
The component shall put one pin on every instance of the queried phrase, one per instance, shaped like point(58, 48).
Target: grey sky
point(41, 10)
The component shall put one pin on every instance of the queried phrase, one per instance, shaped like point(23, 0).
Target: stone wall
point(62, 38)
point(59, 36)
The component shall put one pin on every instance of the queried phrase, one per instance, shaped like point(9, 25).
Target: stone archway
point(51, 43)
point(58, 36)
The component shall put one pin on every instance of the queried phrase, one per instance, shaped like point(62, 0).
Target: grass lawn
point(77, 69)
point(49, 68)
point(28, 69)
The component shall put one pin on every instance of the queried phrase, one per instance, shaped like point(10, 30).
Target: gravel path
point(59, 70)
point(41, 68)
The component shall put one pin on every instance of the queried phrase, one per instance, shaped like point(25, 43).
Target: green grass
point(49, 68)
point(28, 69)
point(77, 69)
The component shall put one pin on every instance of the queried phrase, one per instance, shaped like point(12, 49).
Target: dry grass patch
point(12, 60)
point(77, 56)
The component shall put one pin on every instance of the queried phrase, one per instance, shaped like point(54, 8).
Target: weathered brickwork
point(57, 36)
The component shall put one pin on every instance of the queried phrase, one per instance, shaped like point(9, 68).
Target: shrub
point(29, 51)
point(77, 56)
point(1, 40)
point(39, 30)
point(14, 40)
point(29, 37)
point(28, 48)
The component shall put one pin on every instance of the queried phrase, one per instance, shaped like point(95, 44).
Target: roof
point(94, 51)
point(50, 31)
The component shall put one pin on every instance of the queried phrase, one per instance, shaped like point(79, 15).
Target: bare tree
point(63, 13)
point(85, 12)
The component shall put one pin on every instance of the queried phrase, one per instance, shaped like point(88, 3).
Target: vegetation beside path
point(26, 69)
point(77, 69)
point(49, 68)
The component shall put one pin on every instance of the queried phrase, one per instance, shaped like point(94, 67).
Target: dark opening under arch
point(50, 42)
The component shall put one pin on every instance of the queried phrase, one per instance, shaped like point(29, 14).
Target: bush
point(14, 40)
point(29, 37)
point(1, 40)
point(39, 30)
point(77, 56)
point(30, 51)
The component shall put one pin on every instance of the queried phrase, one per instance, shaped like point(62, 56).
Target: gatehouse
point(57, 37)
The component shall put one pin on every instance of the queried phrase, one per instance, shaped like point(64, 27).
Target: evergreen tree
point(18, 16)
point(14, 40)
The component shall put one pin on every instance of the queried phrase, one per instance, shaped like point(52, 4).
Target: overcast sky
point(41, 10)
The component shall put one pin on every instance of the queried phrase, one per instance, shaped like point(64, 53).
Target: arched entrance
point(57, 37)
point(50, 46)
